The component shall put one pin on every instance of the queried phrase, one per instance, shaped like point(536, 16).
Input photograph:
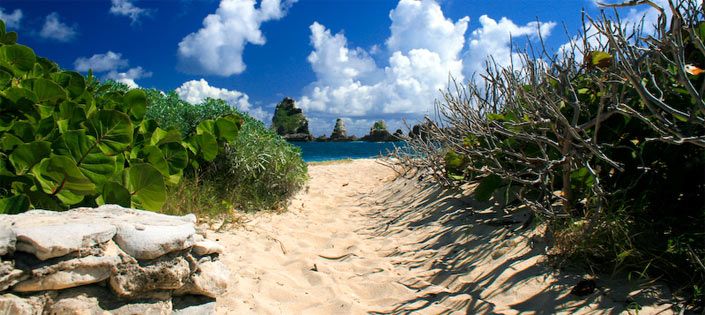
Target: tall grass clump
point(604, 141)
point(257, 170)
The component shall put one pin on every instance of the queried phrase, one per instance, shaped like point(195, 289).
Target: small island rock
point(290, 122)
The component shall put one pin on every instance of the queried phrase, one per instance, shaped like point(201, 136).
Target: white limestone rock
point(166, 273)
point(93, 299)
point(7, 239)
point(58, 239)
point(9, 275)
point(207, 247)
point(210, 279)
point(15, 305)
point(152, 241)
point(68, 274)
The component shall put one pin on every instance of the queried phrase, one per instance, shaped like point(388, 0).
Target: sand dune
point(357, 242)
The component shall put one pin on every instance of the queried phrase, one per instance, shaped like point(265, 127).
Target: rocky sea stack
point(339, 132)
point(290, 122)
point(379, 133)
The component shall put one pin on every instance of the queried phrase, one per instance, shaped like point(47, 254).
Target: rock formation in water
point(339, 132)
point(107, 259)
point(290, 122)
point(379, 133)
point(421, 130)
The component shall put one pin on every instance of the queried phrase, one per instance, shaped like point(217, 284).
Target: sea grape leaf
point(176, 155)
point(111, 129)
point(26, 155)
point(207, 146)
point(47, 91)
point(226, 128)
point(9, 141)
point(83, 149)
point(71, 81)
point(148, 126)
point(136, 103)
point(19, 57)
point(41, 200)
point(155, 157)
point(9, 38)
point(5, 77)
point(161, 136)
point(206, 127)
point(23, 130)
point(455, 165)
point(487, 187)
point(59, 176)
point(14, 204)
point(145, 185)
point(114, 193)
point(599, 59)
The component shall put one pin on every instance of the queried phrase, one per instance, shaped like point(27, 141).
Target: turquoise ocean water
point(328, 151)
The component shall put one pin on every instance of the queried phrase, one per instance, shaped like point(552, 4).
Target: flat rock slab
point(7, 239)
point(69, 274)
point(55, 240)
point(153, 241)
point(141, 234)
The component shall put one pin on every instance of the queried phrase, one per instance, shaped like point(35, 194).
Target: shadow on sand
point(475, 258)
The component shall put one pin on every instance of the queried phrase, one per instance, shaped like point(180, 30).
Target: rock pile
point(107, 259)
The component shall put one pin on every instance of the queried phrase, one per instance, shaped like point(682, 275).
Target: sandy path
point(355, 242)
point(314, 258)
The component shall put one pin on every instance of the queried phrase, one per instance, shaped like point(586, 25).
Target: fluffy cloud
point(493, 39)
point(12, 20)
point(128, 77)
point(425, 49)
point(110, 64)
point(218, 46)
point(196, 91)
point(101, 62)
point(54, 29)
point(127, 8)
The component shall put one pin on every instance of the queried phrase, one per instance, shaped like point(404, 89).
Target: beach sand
point(356, 241)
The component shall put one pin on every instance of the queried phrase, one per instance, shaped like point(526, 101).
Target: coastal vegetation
point(603, 141)
point(68, 141)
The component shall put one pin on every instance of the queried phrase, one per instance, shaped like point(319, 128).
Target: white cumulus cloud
point(127, 8)
point(128, 77)
point(217, 47)
point(101, 62)
point(195, 92)
point(493, 40)
point(12, 20)
point(56, 30)
point(424, 50)
point(111, 65)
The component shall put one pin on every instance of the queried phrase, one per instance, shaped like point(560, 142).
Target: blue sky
point(361, 60)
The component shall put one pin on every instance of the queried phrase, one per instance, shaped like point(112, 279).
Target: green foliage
point(269, 170)
point(617, 174)
point(379, 125)
point(66, 140)
point(257, 169)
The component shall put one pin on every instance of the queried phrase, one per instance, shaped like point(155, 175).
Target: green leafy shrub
point(257, 169)
point(607, 149)
point(68, 141)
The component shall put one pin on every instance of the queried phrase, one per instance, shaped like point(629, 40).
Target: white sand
point(356, 242)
